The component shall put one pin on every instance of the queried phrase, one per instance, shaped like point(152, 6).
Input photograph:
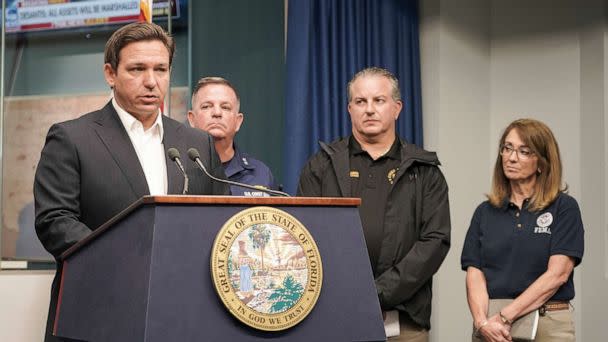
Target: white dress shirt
point(149, 147)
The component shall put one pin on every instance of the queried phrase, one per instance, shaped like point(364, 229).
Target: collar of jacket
point(338, 153)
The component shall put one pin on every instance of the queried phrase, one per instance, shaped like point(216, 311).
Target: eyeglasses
point(523, 153)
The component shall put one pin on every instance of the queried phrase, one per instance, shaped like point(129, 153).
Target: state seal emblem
point(266, 268)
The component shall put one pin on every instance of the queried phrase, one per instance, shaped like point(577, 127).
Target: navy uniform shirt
point(245, 169)
point(512, 246)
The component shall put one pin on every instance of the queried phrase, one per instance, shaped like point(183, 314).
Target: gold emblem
point(391, 175)
point(266, 268)
point(354, 174)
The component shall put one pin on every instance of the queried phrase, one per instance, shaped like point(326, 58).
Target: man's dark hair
point(136, 32)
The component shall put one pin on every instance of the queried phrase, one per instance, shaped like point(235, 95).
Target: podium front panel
point(180, 267)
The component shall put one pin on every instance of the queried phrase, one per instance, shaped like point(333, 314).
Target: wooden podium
point(145, 275)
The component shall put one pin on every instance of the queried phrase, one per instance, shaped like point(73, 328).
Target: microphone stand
point(196, 158)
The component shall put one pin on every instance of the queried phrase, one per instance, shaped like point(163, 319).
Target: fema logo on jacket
point(542, 224)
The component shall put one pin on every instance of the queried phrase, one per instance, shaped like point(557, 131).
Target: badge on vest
point(542, 224)
point(391, 175)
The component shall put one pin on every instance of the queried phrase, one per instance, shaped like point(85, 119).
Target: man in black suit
point(95, 166)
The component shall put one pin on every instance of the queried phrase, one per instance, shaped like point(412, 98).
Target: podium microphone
point(173, 154)
point(196, 158)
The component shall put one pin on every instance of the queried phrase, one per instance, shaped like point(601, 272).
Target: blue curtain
point(328, 41)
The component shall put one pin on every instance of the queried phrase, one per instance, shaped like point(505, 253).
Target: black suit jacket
point(89, 172)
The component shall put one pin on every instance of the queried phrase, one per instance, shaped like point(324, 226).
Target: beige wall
point(455, 64)
point(594, 171)
point(24, 303)
point(485, 63)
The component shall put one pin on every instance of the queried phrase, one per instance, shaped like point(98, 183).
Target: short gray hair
point(376, 71)
point(205, 81)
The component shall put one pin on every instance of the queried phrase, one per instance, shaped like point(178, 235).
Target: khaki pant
point(556, 326)
point(553, 326)
point(410, 332)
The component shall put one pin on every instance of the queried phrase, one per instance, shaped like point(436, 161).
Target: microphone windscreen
point(193, 154)
point(173, 153)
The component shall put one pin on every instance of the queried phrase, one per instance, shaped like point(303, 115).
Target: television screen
point(43, 15)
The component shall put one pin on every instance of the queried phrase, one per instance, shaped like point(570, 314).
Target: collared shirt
point(372, 180)
point(148, 145)
point(243, 168)
point(512, 246)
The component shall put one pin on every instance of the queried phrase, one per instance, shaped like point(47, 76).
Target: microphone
point(173, 154)
point(196, 158)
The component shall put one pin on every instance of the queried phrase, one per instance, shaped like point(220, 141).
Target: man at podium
point(93, 167)
point(404, 201)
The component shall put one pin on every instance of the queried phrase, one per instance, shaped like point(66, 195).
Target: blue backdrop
point(328, 41)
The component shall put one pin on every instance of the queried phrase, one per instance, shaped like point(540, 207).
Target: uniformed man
point(215, 109)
